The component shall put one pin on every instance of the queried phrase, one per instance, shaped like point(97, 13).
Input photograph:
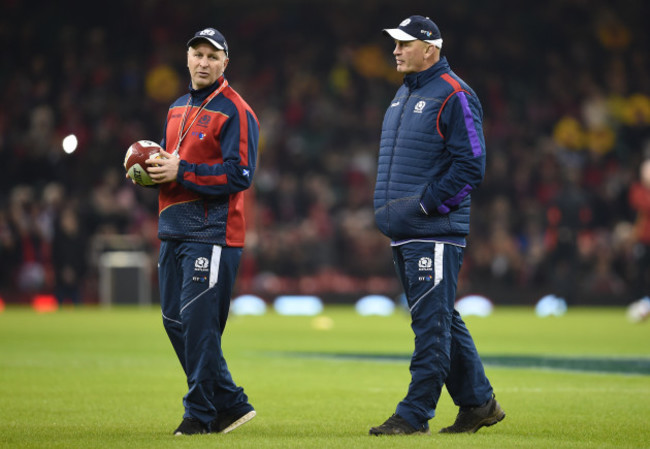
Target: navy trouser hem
point(412, 417)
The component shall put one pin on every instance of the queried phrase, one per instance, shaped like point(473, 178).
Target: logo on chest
point(204, 120)
point(419, 107)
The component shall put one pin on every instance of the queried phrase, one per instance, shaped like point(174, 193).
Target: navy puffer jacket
point(431, 157)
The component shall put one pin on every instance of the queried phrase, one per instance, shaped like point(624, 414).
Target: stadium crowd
point(565, 86)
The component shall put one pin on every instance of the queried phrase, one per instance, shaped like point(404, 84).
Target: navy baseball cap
point(214, 38)
point(414, 28)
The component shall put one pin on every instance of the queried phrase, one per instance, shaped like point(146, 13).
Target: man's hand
point(163, 169)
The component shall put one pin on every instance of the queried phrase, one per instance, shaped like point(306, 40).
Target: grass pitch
point(108, 378)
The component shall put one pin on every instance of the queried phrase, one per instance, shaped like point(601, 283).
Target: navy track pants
point(196, 282)
point(444, 353)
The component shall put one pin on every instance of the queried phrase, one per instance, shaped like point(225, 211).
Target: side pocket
point(403, 213)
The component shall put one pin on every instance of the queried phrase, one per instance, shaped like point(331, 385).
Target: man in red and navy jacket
point(210, 143)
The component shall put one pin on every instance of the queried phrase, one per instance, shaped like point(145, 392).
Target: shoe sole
point(378, 433)
point(243, 420)
point(178, 434)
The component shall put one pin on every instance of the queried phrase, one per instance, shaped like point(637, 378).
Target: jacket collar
point(419, 79)
point(202, 94)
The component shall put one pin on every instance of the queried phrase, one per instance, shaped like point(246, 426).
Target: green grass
point(108, 378)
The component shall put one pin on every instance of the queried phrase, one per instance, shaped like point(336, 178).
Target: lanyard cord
point(181, 133)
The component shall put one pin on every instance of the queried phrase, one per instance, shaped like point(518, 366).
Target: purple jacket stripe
point(469, 124)
point(454, 200)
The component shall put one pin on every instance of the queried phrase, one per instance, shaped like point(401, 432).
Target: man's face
point(206, 64)
point(410, 56)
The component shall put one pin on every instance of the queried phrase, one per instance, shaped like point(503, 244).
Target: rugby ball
point(134, 161)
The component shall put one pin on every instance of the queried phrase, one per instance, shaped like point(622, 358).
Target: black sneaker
point(191, 426)
point(396, 425)
point(471, 419)
point(227, 422)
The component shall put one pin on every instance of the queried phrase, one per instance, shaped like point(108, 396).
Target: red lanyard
point(181, 134)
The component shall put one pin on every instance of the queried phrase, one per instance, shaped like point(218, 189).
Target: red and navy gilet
point(217, 161)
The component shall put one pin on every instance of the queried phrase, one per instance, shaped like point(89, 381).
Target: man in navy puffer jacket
point(431, 157)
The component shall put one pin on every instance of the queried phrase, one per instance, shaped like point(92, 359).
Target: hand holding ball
point(134, 161)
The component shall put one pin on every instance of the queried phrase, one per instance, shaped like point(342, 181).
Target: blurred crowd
point(565, 86)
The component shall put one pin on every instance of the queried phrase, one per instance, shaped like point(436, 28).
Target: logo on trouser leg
point(201, 265)
point(425, 264)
